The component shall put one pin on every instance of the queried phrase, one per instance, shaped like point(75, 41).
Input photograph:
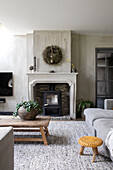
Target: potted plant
point(27, 110)
point(83, 104)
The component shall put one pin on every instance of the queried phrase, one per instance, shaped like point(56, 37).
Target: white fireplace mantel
point(70, 78)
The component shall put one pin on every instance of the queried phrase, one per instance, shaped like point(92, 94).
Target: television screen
point(6, 84)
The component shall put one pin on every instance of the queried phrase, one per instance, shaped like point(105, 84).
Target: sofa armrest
point(108, 104)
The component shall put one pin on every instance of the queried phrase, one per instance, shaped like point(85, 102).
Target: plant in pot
point(27, 110)
point(83, 104)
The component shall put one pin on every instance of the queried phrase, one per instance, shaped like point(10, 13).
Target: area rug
point(62, 153)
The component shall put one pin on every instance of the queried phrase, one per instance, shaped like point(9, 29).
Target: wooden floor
point(78, 119)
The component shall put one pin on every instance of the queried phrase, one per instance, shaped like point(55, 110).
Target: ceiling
point(81, 16)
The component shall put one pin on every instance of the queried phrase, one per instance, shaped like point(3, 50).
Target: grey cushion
point(100, 120)
point(4, 131)
point(6, 148)
point(102, 126)
point(108, 104)
point(93, 114)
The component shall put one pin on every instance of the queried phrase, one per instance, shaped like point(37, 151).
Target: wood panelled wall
point(40, 40)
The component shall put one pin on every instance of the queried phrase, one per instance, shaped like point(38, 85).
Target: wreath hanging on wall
point(52, 54)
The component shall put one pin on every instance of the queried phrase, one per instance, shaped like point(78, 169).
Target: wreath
point(52, 54)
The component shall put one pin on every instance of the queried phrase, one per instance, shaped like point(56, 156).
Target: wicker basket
point(23, 114)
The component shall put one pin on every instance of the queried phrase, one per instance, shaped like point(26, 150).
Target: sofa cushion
point(102, 127)
point(108, 104)
point(4, 131)
point(93, 114)
point(6, 148)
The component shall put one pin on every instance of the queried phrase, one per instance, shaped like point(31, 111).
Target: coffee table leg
point(43, 136)
point(47, 132)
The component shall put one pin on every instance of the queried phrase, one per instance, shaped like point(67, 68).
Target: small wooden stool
point(90, 141)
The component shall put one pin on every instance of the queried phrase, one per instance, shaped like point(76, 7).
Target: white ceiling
point(81, 16)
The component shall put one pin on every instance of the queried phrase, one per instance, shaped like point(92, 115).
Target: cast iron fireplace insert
point(52, 103)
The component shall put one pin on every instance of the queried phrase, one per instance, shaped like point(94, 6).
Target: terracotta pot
point(23, 114)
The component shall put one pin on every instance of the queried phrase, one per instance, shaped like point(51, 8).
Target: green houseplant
point(83, 104)
point(27, 110)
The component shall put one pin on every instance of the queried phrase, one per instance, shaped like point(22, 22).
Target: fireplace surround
point(70, 78)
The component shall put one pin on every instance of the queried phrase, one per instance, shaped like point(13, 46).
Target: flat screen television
point(6, 84)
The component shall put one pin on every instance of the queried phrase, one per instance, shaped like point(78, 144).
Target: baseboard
point(6, 113)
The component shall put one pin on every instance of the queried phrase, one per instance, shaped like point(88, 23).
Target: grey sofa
point(100, 121)
point(6, 148)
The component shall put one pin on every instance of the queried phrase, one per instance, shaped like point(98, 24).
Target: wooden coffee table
point(40, 124)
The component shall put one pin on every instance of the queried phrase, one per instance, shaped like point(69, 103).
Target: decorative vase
point(25, 115)
point(73, 70)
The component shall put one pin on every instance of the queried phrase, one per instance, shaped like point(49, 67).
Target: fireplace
point(52, 103)
point(44, 78)
point(53, 95)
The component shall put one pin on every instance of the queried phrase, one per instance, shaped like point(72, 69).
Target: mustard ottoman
point(90, 141)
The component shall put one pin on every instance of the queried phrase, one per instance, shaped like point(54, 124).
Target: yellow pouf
point(90, 141)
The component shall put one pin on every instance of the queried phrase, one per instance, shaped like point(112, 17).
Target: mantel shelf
point(46, 73)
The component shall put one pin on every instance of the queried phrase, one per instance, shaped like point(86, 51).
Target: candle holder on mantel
point(31, 68)
point(73, 70)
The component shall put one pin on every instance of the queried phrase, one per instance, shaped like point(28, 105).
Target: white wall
point(14, 59)
point(18, 58)
point(83, 56)
point(43, 39)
